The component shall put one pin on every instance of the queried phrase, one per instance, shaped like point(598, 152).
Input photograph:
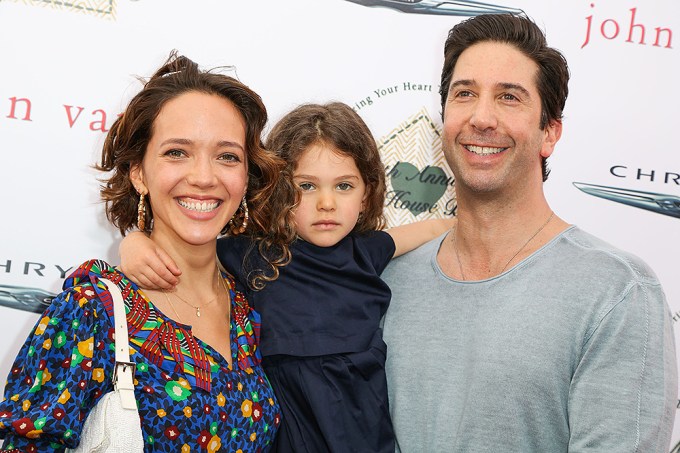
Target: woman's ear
point(137, 178)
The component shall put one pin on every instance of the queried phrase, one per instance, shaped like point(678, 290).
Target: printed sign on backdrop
point(420, 183)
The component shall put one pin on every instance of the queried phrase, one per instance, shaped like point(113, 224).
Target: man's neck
point(492, 235)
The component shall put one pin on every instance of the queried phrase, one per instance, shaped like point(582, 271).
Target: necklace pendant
point(198, 312)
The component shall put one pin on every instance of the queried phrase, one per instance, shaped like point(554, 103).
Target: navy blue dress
point(321, 342)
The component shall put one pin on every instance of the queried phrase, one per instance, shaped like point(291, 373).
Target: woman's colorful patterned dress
point(188, 398)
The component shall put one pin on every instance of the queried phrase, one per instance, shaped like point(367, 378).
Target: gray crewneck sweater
point(571, 350)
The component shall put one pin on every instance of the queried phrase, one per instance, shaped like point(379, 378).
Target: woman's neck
point(198, 263)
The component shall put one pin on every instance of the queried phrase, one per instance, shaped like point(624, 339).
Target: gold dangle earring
point(246, 216)
point(243, 214)
point(141, 212)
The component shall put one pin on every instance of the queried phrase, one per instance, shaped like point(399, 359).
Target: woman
point(182, 156)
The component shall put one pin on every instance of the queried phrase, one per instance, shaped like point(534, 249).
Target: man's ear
point(137, 178)
point(553, 132)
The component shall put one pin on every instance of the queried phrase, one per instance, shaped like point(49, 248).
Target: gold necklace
point(198, 312)
point(179, 318)
point(460, 265)
point(195, 307)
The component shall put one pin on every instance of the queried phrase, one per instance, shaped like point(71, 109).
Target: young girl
point(321, 341)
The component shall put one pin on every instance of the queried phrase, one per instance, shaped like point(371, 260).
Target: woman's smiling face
point(195, 167)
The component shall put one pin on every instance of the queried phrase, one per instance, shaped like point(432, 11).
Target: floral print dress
point(189, 399)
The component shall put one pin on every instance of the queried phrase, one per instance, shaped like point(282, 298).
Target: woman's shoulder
point(85, 285)
point(90, 272)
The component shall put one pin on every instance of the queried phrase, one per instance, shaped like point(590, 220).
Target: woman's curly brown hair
point(126, 143)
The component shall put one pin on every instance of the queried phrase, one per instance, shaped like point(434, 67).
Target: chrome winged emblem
point(24, 298)
point(656, 202)
point(447, 8)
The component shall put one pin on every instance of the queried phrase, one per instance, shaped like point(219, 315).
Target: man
point(516, 331)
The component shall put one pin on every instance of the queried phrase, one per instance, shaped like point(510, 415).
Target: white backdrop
point(74, 66)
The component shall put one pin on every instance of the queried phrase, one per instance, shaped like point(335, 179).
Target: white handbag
point(113, 425)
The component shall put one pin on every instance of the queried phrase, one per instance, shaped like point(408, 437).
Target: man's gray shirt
point(570, 350)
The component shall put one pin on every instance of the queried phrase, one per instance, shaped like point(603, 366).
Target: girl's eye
point(174, 153)
point(344, 186)
point(306, 186)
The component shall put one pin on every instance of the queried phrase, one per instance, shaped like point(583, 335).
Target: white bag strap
point(123, 373)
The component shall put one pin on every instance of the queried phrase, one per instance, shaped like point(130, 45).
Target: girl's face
point(194, 168)
point(332, 195)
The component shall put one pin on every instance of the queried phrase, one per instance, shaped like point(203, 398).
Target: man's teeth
point(204, 206)
point(483, 150)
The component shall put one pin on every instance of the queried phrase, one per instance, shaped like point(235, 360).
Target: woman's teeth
point(200, 206)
